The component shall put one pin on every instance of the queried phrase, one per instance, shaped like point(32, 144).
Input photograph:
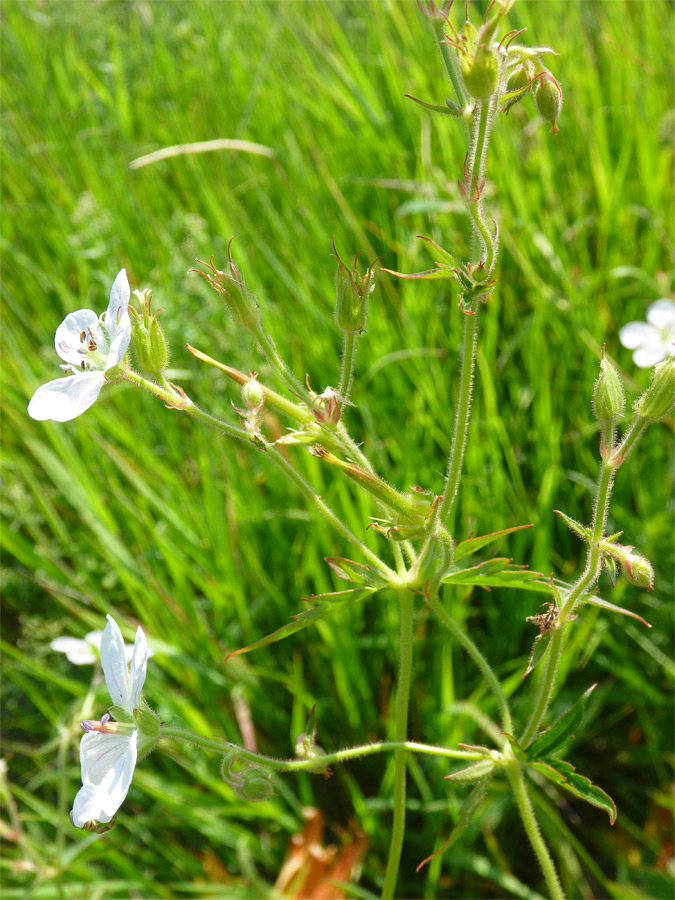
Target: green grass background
point(135, 510)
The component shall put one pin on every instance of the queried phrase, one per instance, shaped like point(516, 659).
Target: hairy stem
point(526, 810)
point(406, 608)
point(462, 416)
point(349, 341)
point(272, 354)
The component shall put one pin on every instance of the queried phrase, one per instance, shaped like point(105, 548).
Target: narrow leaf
point(358, 573)
point(430, 275)
point(518, 751)
point(497, 572)
point(563, 774)
point(471, 545)
point(574, 526)
point(330, 603)
point(434, 107)
point(539, 648)
point(469, 808)
point(472, 772)
point(562, 730)
point(605, 604)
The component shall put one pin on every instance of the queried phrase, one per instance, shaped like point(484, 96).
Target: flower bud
point(609, 397)
point(637, 570)
point(150, 344)
point(517, 85)
point(252, 393)
point(352, 291)
point(480, 72)
point(548, 99)
point(659, 398)
point(230, 284)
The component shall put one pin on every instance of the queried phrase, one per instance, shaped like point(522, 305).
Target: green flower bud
point(609, 397)
point(548, 99)
point(518, 85)
point(637, 570)
point(480, 73)
point(251, 783)
point(230, 284)
point(352, 291)
point(659, 398)
point(150, 343)
point(252, 393)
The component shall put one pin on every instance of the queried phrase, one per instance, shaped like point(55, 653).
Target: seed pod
point(480, 72)
point(518, 85)
point(548, 99)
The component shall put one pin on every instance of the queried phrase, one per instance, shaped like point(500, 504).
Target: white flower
point(90, 346)
point(86, 651)
point(109, 750)
point(654, 339)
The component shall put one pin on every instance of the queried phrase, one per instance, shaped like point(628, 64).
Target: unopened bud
point(252, 393)
point(480, 72)
point(609, 397)
point(659, 398)
point(548, 99)
point(517, 85)
point(150, 343)
point(352, 291)
point(637, 570)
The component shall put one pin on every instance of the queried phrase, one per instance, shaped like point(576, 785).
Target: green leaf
point(429, 275)
point(443, 109)
point(358, 573)
point(562, 730)
point(539, 648)
point(576, 527)
point(493, 573)
point(329, 604)
point(471, 545)
point(469, 808)
point(563, 774)
point(473, 772)
point(605, 604)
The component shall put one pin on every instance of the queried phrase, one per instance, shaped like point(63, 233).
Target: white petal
point(94, 638)
point(661, 315)
point(650, 355)
point(117, 321)
point(67, 339)
point(139, 668)
point(66, 398)
point(78, 652)
point(108, 762)
point(114, 662)
point(636, 334)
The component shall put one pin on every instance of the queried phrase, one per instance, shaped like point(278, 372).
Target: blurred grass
point(135, 511)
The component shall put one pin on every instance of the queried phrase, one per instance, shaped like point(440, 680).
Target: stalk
point(544, 858)
point(349, 341)
point(406, 608)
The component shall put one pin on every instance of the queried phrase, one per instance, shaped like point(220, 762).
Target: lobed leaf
point(498, 572)
point(564, 775)
point(468, 809)
point(356, 572)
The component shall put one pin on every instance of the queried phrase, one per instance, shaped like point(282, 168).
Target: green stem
point(590, 575)
point(449, 62)
point(174, 398)
point(462, 415)
point(349, 341)
point(271, 353)
point(522, 796)
point(434, 602)
point(406, 608)
point(327, 759)
point(310, 494)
